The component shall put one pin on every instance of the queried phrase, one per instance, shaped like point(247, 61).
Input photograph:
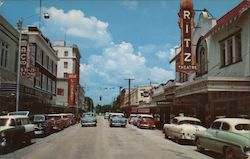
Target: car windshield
point(190, 122)
point(39, 118)
point(89, 115)
point(3, 122)
point(243, 127)
point(118, 116)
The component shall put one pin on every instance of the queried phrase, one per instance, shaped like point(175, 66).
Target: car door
point(211, 140)
point(222, 136)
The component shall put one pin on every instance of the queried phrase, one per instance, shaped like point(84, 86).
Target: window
point(50, 65)
point(216, 125)
point(49, 85)
point(38, 80)
point(60, 91)
point(66, 53)
point(53, 87)
point(65, 64)
point(222, 54)
point(65, 75)
point(47, 64)
point(229, 51)
point(238, 47)
point(225, 127)
point(44, 82)
point(3, 54)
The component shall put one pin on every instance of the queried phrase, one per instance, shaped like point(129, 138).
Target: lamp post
point(19, 27)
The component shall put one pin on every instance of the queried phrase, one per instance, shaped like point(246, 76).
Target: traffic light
point(100, 98)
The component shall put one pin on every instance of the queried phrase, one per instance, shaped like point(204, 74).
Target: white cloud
point(162, 55)
point(74, 23)
point(131, 4)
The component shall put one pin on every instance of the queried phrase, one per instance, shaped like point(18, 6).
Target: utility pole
point(129, 83)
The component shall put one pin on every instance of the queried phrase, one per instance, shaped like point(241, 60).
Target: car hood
point(5, 127)
point(192, 127)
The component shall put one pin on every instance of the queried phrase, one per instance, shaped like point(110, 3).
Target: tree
point(89, 104)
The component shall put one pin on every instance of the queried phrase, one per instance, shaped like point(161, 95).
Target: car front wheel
point(229, 153)
point(198, 145)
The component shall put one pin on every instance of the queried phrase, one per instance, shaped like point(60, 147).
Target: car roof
point(13, 116)
point(116, 113)
point(233, 121)
point(54, 114)
point(186, 118)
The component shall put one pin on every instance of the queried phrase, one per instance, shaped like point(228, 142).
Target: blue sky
point(118, 39)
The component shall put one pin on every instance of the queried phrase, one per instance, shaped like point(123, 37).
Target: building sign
point(27, 58)
point(187, 61)
point(72, 89)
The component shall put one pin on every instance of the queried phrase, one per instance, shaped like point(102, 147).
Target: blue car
point(117, 119)
point(88, 119)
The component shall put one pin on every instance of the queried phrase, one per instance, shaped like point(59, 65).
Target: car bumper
point(118, 124)
point(39, 132)
point(88, 124)
point(147, 126)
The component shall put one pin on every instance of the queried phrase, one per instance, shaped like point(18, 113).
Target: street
point(103, 142)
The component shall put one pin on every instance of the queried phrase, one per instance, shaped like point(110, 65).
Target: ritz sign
point(187, 61)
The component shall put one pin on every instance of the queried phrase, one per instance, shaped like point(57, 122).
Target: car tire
point(198, 145)
point(229, 153)
point(166, 136)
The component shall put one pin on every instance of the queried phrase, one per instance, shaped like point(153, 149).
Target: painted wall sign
point(72, 89)
point(187, 61)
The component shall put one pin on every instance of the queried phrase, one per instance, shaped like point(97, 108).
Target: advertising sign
point(187, 61)
point(72, 89)
point(27, 59)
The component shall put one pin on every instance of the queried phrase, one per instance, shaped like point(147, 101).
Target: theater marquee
point(187, 62)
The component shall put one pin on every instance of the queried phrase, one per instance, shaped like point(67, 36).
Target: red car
point(43, 125)
point(58, 122)
point(146, 121)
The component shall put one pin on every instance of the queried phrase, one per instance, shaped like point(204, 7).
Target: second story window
point(3, 53)
point(230, 49)
point(66, 53)
point(65, 64)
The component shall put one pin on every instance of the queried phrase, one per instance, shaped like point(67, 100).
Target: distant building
point(68, 87)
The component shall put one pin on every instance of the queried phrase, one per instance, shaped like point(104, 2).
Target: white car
point(183, 128)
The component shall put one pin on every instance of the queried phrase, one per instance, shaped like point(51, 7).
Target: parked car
point(106, 115)
point(183, 128)
point(88, 119)
point(117, 119)
point(14, 129)
point(146, 121)
point(43, 125)
point(131, 117)
point(228, 136)
point(58, 121)
point(135, 119)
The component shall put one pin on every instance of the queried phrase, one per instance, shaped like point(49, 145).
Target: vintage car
point(14, 129)
point(131, 118)
point(228, 136)
point(106, 115)
point(89, 119)
point(117, 119)
point(43, 125)
point(58, 121)
point(146, 121)
point(182, 128)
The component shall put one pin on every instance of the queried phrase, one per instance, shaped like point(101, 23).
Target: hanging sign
point(187, 61)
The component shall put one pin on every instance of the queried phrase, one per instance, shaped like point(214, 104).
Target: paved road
point(103, 142)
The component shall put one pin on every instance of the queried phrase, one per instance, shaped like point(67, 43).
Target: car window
point(216, 125)
point(241, 127)
point(3, 122)
point(18, 122)
point(39, 118)
point(190, 122)
point(225, 127)
point(12, 122)
point(175, 121)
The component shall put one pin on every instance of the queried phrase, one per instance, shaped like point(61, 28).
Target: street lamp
point(19, 27)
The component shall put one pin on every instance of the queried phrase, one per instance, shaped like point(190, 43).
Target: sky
point(118, 39)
